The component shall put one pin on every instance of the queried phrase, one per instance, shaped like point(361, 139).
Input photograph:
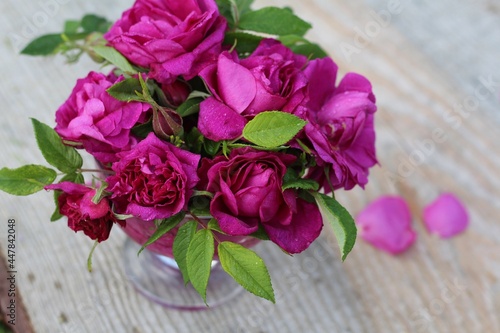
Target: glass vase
point(155, 274)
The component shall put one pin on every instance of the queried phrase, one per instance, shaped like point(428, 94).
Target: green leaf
point(274, 21)
point(142, 130)
point(226, 9)
point(233, 9)
point(245, 43)
point(246, 268)
point(71, 26)
point(199, 261)
point(211, 147)
point(304, 184)
point(189, 107)
point(243, 5)
point(272, 128)
point(194, 140)
point(91, 23)
point(341, 221)
point(74, 178)
point(165, 226)
point(115, 58)
point(214, 226)
point(43, 45)
point(26, 180)
point(127, 90)
point(311, 50)
point(181, 245)
point(56, 153)
point(300, 45)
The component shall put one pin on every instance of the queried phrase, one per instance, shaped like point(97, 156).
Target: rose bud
point(166, 122)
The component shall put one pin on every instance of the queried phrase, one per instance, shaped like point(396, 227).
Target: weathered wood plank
point(428, 59)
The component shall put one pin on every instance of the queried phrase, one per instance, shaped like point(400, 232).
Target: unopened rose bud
point(167, 122)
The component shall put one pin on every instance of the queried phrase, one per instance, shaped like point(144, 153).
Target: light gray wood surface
point(424, 61)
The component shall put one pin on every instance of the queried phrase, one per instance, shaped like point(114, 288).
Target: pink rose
point(75, 202)
point(98, 121)
point(171, 38)
point(248, 193)
point(154, 180)
point(271, 78)
point(341, 128)
point(386, 224)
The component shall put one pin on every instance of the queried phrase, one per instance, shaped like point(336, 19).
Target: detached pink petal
point(446, 216)
point(386, 224)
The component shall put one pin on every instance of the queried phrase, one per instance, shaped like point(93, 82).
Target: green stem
point(89, 259)
point(109, 172)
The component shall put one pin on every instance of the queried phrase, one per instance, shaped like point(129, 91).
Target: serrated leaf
point(272, 128)
point(304, 184)
point(163, 228)
point(126, 90)
point(246, 268)
point(181, 245)
point(43, 45)
point(341, 221)
point(56, 153)
point(189, 107)
point(26, 180)
point(115, 58)
point(74, 178)
point(274, 21)
point(199, 260)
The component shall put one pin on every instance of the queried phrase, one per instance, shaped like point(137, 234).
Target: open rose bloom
point(195, 121)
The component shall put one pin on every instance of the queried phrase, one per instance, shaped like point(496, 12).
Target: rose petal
point(219, 122)
point(305, 227)
point(446, 216)
point(237, 86)
point(386, 224)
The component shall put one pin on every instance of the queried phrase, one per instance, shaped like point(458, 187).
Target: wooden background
point(428, 59)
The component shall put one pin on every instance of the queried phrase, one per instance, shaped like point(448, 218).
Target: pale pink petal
point(446, 216)
point(386, 224)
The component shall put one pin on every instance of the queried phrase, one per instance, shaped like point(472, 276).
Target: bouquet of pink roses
point(211, 109)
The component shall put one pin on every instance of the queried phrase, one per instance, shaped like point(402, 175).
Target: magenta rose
point(96, 120)
point(247, 188)
point(171, 38)
point(75, 202)
point(340, 125)
point(153, 180)
point(270, 79)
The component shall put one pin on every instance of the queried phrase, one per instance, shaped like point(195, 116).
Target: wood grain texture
point(428, 59)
